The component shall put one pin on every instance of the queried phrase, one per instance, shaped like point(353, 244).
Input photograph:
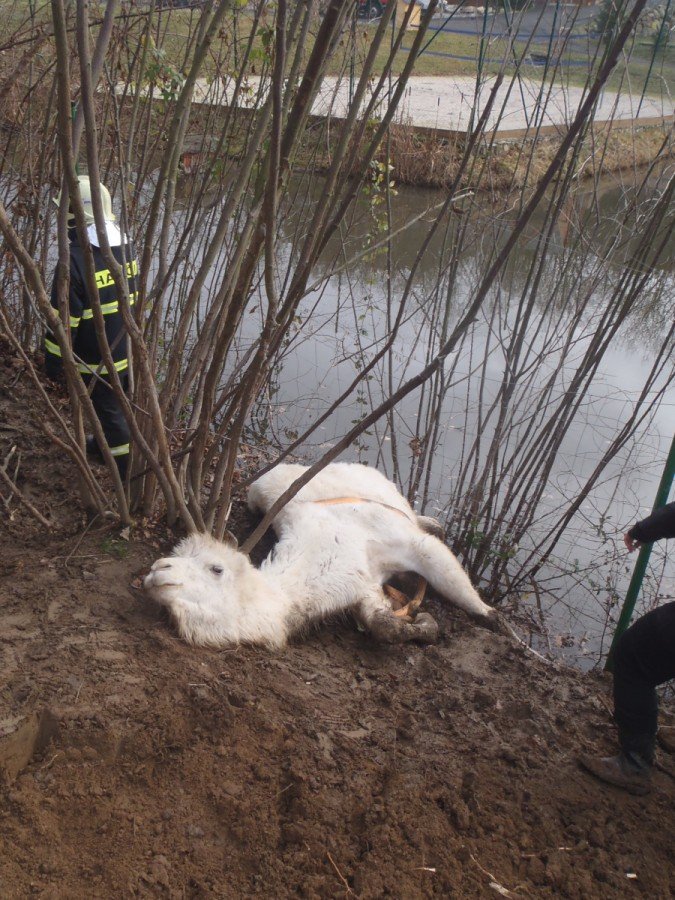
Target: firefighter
point(87, 352)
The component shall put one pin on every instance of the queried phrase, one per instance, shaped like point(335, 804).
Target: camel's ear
point(230, 540)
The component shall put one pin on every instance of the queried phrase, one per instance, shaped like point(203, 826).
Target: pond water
point(345, 320)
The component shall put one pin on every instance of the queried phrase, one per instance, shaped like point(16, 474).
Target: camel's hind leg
point(375, 613)
point(434, 561)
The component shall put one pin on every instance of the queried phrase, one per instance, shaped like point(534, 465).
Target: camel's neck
point(308, 582)
point(267, 604)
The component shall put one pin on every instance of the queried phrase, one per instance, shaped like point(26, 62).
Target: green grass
point(446, 54)
point(115, 548)
point(443, 48)
point(450, 54)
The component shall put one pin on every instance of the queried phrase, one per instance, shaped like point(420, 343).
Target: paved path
point(447, 102)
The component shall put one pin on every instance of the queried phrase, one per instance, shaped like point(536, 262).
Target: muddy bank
point(133, 765)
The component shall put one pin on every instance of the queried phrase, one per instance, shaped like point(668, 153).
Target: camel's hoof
point(494, 621)
point(426, 628)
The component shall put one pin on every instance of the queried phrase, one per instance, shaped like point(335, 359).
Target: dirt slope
point(133, 765)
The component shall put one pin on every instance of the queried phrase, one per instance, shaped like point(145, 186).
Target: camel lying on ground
point(340, 539)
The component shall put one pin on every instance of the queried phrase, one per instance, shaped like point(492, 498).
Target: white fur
point(328, 558)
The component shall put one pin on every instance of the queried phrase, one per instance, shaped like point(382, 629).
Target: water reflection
point(344, 321)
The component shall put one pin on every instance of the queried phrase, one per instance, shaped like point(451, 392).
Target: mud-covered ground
point(134, 765)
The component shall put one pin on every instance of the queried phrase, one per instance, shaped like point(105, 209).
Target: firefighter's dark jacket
point(83, 332)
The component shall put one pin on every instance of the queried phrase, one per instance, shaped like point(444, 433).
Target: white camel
point(341, 537)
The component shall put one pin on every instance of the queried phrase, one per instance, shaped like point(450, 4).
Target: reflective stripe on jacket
point(83, 331)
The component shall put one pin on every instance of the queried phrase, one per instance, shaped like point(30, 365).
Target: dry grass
point(427, 160)
point(606, 149)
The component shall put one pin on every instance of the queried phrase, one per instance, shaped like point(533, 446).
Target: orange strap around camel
point(332, 501)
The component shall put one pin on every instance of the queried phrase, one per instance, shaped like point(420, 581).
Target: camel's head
point(200, 586)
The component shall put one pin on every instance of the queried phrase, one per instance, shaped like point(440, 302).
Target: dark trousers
point(644, 657)
point(112, 420)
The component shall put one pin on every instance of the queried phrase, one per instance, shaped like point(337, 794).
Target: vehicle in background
point(445, 8)
point(371, 9)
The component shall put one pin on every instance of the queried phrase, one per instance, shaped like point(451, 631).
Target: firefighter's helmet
point(85, 193)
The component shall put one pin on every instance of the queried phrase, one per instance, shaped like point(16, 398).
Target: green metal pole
point(642, 560)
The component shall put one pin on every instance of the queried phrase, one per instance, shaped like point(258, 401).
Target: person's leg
point(112, 421)
point(644, 657)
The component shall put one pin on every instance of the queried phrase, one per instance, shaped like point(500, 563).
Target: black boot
point(633, 774)
point(122, 464)
point(638, 748)
point(93, 450)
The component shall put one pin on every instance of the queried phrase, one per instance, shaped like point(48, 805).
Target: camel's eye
point(217, 570)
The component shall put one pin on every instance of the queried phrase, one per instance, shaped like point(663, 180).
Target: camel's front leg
point(404, 607)
point(375, 613)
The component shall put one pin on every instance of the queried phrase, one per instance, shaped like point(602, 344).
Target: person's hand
point(630, 543)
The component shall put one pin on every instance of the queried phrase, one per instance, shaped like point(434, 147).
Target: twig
point(605, 704)
point(340, 875)
point(49, 764)
point(79, 541)
point(494, 884)
point(528, 649)
point(7, 500)
point(20, 497)
point(8, 458)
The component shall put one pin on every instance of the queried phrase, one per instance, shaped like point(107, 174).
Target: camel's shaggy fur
point(328, 558)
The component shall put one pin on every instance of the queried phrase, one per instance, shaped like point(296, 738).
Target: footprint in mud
point(291, 807)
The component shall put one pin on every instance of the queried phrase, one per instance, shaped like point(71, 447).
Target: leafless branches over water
point(475, 326)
